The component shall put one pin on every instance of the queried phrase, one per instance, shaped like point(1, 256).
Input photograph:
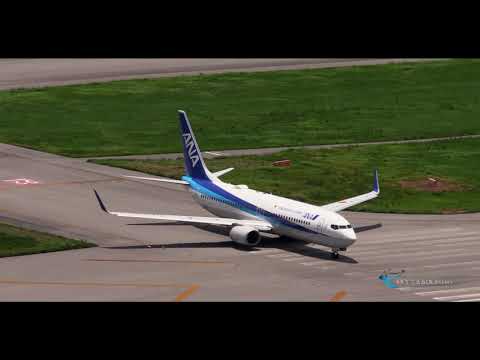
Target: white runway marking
point(422, 259)
point(418, 233)
point(468, 300)
point(295, 257)
point(472, 241)
point(415, 239)
point(451, 264)
point(447, 291)
point(415, 254)
point(473, 244)
point(311, 263)
point(213, 153)
point(22, 181)
point(455, 297)
point(262, 252)
point(278, 256)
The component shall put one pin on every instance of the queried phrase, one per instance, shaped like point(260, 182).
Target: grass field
point(242, 110)
point(322, 176)
point(18, 241)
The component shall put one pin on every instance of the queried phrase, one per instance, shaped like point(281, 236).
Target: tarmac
point(30, 73)
point(184, 263)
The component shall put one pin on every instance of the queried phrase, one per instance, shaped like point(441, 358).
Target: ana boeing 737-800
point(247, 213)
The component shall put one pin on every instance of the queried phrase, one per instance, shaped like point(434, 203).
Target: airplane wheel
point(334, 255)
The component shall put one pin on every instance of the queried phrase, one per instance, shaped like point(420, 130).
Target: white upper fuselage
point(288, 217)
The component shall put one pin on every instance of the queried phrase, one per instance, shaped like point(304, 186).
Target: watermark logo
point(391, 279)
point(395, 280)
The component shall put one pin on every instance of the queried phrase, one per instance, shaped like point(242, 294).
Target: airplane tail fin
point(194, 164)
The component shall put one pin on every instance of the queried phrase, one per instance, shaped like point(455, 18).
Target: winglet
point(376, 186)
point(100, 202)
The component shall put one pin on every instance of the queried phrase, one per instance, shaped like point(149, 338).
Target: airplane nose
point(350, 235)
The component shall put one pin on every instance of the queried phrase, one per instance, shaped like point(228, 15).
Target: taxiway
point(181, 262)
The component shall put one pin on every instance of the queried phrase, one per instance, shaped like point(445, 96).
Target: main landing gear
point(335, 251)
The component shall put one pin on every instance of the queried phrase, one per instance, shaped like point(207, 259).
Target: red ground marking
point(282, 163)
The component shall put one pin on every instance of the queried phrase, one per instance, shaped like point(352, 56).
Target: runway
point(30, 73)
point(184, 263)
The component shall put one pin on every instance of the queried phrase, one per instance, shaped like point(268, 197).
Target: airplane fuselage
point(288, 217)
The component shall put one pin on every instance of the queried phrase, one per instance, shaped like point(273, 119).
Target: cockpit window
point(336, 227)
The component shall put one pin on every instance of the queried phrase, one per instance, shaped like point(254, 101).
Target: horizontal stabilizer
point(222, 172)
point(160, 180)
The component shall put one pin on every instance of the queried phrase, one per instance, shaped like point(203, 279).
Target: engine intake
point(245, 235)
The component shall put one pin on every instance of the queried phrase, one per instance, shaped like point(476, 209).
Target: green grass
point(17, 241)
point(323, 176)
point(242, 110)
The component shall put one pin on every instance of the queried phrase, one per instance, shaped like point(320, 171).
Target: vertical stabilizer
point(194, 164)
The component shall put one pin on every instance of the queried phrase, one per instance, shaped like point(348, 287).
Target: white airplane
point(247, 212)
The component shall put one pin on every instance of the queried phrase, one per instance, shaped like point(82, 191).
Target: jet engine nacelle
point(245, 235)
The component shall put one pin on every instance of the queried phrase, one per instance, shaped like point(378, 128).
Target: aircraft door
point(321, 225)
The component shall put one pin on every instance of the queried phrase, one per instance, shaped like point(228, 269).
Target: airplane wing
point(346, 203)
point(257, 224)
point(358, 229)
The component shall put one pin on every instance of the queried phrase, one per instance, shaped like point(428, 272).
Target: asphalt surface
point(29, 73)
point(273, 150)
point(184, 263)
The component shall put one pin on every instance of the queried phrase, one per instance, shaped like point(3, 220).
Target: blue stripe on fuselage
point(209, 188)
